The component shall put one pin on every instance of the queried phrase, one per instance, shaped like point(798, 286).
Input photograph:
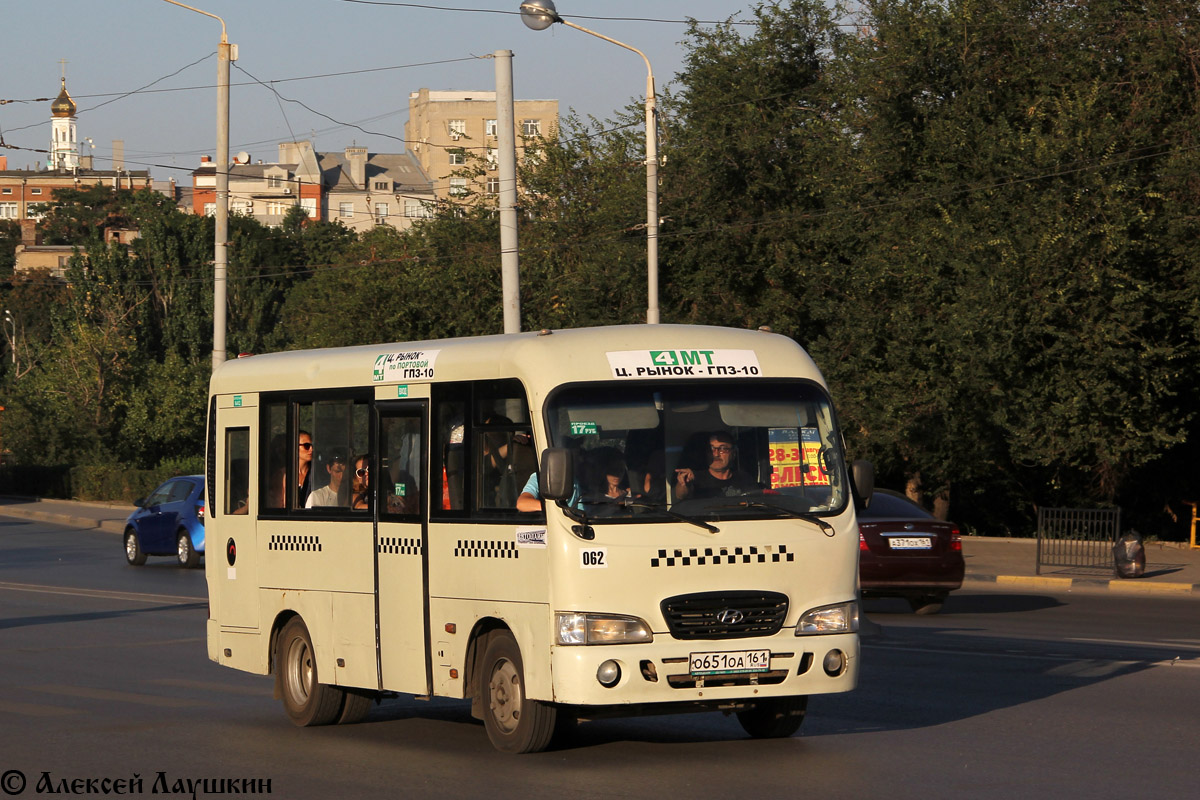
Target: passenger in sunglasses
point(360, 483)
point(303, 469)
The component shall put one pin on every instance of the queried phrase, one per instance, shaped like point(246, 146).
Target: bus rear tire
point(776, 718)
point(306, 700)
point(927, 603)
point(355, 708)
point(514, 723)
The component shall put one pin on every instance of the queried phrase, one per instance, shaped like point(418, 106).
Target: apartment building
point(265, 191)
point(367, 189)
point(21, 190)
point(357, 188)
point(449, 130)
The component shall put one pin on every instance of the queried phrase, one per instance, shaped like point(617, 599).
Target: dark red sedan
point(904, 551)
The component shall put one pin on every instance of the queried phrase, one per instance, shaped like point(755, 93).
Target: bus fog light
point(835, 663)
point(609, 673)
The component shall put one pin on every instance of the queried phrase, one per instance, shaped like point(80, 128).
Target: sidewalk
point(1171, 567)
point(71, 513)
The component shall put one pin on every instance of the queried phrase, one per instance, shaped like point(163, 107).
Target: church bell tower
point(64, 147)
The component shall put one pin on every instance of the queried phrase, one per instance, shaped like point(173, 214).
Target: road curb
point(85, 523)
point(1126, 586)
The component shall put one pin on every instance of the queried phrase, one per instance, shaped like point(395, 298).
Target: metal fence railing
point(1077, 537)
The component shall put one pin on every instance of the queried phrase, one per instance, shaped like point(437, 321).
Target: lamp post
point(9, 321)
point(226, 53)
point(541, 14)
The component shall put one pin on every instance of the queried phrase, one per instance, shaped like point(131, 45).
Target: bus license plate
point(730, 663)
point(910, 543)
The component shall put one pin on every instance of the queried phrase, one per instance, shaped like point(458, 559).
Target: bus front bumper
point(708, 672)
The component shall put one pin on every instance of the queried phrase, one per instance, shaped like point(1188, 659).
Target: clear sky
point(144, 71)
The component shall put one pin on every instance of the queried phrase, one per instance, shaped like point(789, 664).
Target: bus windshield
point(717, 450)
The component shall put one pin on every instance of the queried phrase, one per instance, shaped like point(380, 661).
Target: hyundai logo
point(730, 616)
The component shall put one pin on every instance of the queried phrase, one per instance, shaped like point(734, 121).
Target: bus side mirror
point(862, 482)
point(557, 474)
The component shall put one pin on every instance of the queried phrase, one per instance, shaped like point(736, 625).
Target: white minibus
point(555, 526)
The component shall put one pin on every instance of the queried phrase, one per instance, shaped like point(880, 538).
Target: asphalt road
point(104, 676)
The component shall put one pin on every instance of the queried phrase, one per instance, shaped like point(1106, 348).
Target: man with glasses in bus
point(721, 479)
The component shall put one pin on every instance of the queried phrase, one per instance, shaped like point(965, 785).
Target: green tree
point(1015, 253)
point(754, 153)
point(10, 237)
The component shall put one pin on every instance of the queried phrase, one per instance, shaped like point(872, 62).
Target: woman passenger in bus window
point(360, 483)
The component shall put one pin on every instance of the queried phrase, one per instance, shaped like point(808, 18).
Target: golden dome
point(63, 105)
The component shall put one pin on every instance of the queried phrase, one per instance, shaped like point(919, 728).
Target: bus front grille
point(724, 615)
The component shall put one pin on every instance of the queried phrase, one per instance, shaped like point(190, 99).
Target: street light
point(541, 14)
point(12, 339)
point(226, 53)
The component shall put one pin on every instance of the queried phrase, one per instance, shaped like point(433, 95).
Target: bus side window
point(450, 461)
point(237, 470)
point(275, 465)
point(502, 442)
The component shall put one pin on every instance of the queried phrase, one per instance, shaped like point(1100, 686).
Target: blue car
point(170, 522)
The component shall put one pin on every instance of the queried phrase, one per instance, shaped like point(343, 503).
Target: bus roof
point(541, 360)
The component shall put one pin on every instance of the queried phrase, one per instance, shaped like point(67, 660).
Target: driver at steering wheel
point(721, 479)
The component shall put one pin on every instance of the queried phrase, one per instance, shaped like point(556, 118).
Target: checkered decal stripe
point(721, 555)
point(308, 544)
point(482, 548)
point(399, 545)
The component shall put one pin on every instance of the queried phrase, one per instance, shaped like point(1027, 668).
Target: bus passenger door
point(230, 539)
point(401, 556)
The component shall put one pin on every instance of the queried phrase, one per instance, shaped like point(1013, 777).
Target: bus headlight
point(578, 628)
point(839, 618)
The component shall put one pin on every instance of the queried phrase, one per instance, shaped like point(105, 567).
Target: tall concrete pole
point(221, 252)
point(651, 200)
point(510, 273)
point(226, 53)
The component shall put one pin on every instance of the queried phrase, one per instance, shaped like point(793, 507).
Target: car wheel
point(927, 603)
point(133, 550)
point(187, 555)
point(306, 700)
point(514, 723)
point(777, 718)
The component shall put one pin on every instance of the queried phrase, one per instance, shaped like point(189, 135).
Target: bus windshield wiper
point(825, 527)
point(580, 515)
point(631, 503)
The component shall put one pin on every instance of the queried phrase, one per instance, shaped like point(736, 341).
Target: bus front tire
point(514, 723)
point(776, 718)
point(306, 700)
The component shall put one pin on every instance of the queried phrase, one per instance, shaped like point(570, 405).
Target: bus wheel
point(355, 708)
point(306, 700)
point(514, 723)
point(927, 603)
point(776, 718)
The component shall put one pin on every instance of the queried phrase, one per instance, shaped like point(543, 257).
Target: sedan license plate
point(730, 663)
point(910, 543)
